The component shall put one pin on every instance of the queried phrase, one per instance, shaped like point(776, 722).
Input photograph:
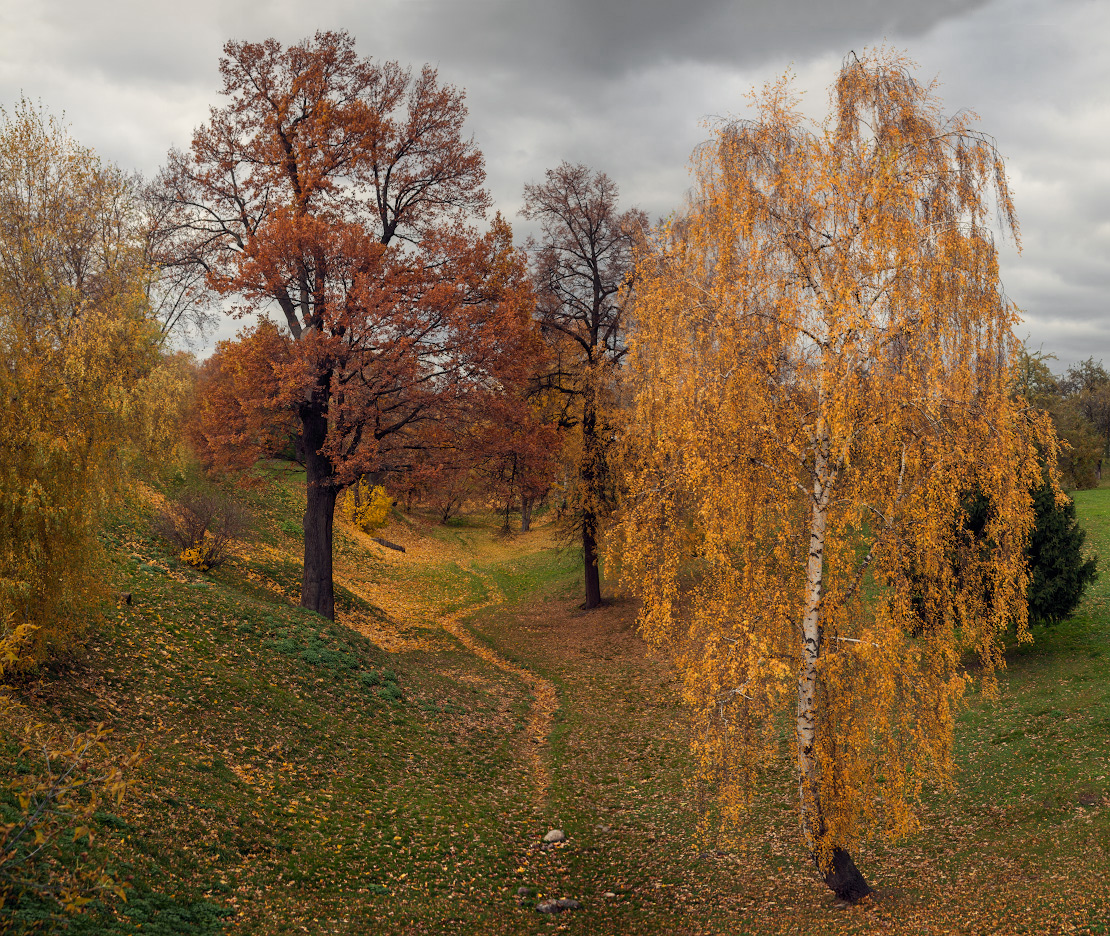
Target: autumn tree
point(85, 394)
point(1087, 386)
point(514, 450)
point(337, 190)
point(822, 367)
point(240, 411)
point(583, 271)
point(1080, 441)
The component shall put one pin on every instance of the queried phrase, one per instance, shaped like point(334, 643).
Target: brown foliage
point(338, 189)
point(241, 412)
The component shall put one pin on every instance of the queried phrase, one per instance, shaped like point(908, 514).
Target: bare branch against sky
point(625, 87)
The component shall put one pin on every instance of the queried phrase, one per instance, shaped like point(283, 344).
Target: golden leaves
point(84, 390)
point(821, 369)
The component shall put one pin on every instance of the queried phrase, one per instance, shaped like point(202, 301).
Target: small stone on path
point(608, 894)
point(555, 835)
point(524, 892)
point(558, 906)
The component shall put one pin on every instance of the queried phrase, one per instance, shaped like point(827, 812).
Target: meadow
point(396, 772)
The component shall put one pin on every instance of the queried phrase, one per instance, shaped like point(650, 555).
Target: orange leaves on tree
point(337, 191)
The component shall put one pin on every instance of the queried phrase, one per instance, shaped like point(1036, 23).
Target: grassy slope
point(285, 794)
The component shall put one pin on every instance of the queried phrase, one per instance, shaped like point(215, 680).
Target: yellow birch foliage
point(821, 364)
point(83, 386)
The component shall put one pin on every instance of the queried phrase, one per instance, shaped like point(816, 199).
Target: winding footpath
point(545, 701)
point(541, 715)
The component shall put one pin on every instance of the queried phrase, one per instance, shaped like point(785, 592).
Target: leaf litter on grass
point(288, 794)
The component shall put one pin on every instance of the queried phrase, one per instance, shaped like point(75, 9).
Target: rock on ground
point(558, 905)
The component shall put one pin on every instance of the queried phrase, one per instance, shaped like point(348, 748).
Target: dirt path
point(541, 714)
point(544, 699)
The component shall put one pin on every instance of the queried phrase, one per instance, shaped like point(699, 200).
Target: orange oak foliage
point(241, 412)
point(338, 190)
point(514, 451)
point(823, 363)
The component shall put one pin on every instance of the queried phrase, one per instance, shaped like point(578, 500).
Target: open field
point(395, 772)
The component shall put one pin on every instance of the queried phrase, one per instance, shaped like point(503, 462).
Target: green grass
point(302, 779)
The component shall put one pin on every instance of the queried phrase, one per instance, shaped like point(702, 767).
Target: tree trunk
point(843, 878)
point(592, 478)
point(589, 552)
point(834, 863)
point(526, 504)
point(317, 593)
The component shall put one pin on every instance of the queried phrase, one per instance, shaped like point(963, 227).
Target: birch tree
point(822, 361)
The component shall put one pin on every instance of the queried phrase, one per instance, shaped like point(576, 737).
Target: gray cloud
point(579, 40)
point(624, 86)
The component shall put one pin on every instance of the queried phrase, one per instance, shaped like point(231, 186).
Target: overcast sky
point(625, 86)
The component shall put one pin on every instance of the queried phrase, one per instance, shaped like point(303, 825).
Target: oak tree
point(240, 411)
point(822, 365)
point(337, 190)
point(583, 271)
point(514, 451)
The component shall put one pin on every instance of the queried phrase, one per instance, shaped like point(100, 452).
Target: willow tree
point(85, 394)
point(822, 359)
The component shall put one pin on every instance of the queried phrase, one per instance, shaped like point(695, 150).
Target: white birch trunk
point(809, 769)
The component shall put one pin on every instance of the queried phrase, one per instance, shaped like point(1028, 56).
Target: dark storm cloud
point(624, 86)
point(583, 39)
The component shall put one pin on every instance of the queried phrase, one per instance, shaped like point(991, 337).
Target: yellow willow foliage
point(821, 362)
point(83, 387)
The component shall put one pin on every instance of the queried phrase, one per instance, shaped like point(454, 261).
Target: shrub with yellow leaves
point(201, 525)
point(72, 777)
point(366, 506)
point(85, 391)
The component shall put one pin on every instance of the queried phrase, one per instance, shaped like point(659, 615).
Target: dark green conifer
point(1058, 572)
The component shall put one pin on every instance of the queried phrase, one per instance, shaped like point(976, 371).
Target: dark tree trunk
point(844, 878)
point(317, 593)
point(526, 504)
point(592, 478)
point(589, 551)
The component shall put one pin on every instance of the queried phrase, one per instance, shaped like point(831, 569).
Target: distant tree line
point(1079, 403)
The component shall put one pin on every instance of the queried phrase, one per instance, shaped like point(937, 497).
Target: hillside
point(395, 772)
